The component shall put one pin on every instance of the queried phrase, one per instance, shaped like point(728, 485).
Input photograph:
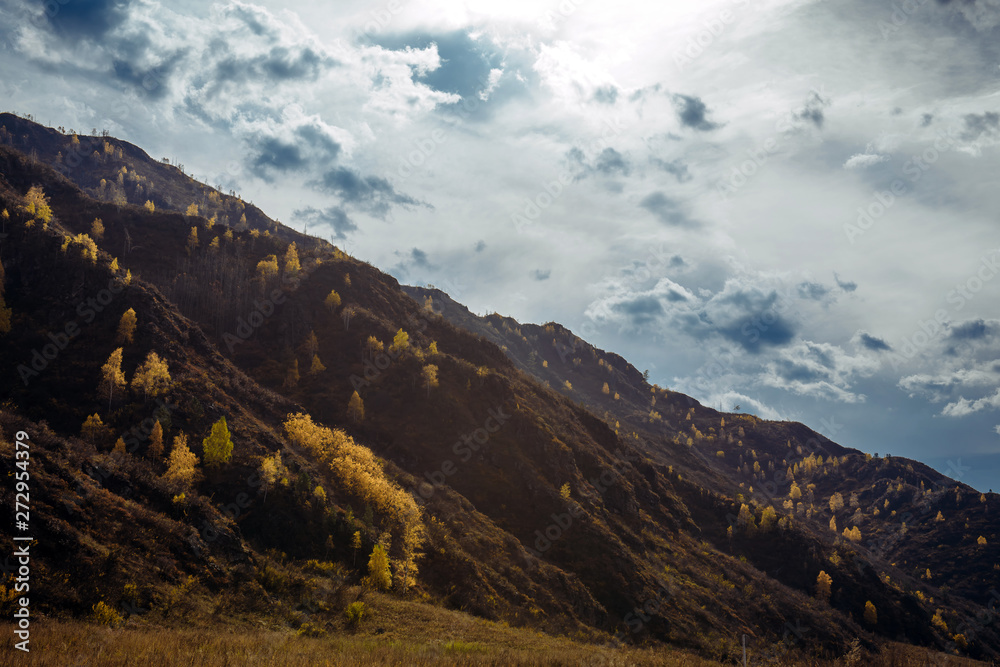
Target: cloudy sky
point(788, 205)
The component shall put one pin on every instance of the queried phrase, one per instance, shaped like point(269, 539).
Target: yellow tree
point(93, 429)
point(356, 544)
point(36, 204)
point(152, 377)
point(155, 450)
point(836, 502)
point(430, 375)
point(605, 389)
point(356, 408)
point(192, 242)
point(267, 268)
point(317, 366)
point(126, 327)
point(824, 585)
point(379, 577)
point(218, 446)
point(400, 341)
point(795, 493)
point(150, 206)
point(292, 265)
point(981, 541)
point(182, 466)
point(332, 300)
point(119, 449)
point(192, 210)
point(871, 615)
point(97, 229)
point(111, 375)
point(272, 471)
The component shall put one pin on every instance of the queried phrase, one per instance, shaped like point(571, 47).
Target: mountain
point(511, 471)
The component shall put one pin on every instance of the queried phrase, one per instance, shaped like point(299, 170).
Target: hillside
point(497, 489)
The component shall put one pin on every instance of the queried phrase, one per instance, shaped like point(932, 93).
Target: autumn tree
point(267, 268)
point(356, 544)
point(291, 260)
point(192, 242)
point(192, 210)
point(746, 520)
point(97, 229)
point(605, 389)
point(111, 375)
point(155, 450)
point(768, 519)
point(795, 493)
point(317, 366)
point(93, 429)
point(432, 348)
point(400, 342)
point(379, 578)
point(182, 466)
point(36, 204)
point(430, 375)
point(824, 585)
point(565, 491)
point(833, 523)
point(871, 615)
point(272, 471)
point(152, 377)
point(218, 446)
point(126, 327)
point(981, 541)
point(332, 300)
point(149, 206)
point(836, 502)
point(356, 408)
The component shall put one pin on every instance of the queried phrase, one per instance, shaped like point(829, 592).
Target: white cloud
point(863, 160)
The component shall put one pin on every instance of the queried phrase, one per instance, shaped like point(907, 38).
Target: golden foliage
point(824, 586)
point(218, 446)
point(152, 377)
point(182, 466)
point(126, 327)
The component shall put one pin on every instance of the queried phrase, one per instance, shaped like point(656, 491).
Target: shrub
point(105, 615)
point(356, 612)
point(310, 630)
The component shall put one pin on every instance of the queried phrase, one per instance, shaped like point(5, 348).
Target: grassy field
point(79, 644)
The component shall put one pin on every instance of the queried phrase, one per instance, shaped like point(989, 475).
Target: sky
point(783, 205)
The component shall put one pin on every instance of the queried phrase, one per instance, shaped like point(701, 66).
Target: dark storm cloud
point(926, 119)
point(334, 217)
point(677, 168)
point(152, 81)
point(665, 209)
point(972, 330)
point(540, 275)
point(606, 95)
point(873, 343)
point(280, 64)
point(693, 113)
point(611, 161)
point(977, 125)
point(304, 147)
point(480, 246)
point(85, 19)
point(419, 258)
point(640, 310)
point(846, 285)
point(753, 335)
point(814, 291)
point(465, 62)
point(812, 112)
point(372, 194)
point(796, 372)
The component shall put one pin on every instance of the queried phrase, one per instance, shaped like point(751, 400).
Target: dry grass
point(72, 644)
point(77, 644)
